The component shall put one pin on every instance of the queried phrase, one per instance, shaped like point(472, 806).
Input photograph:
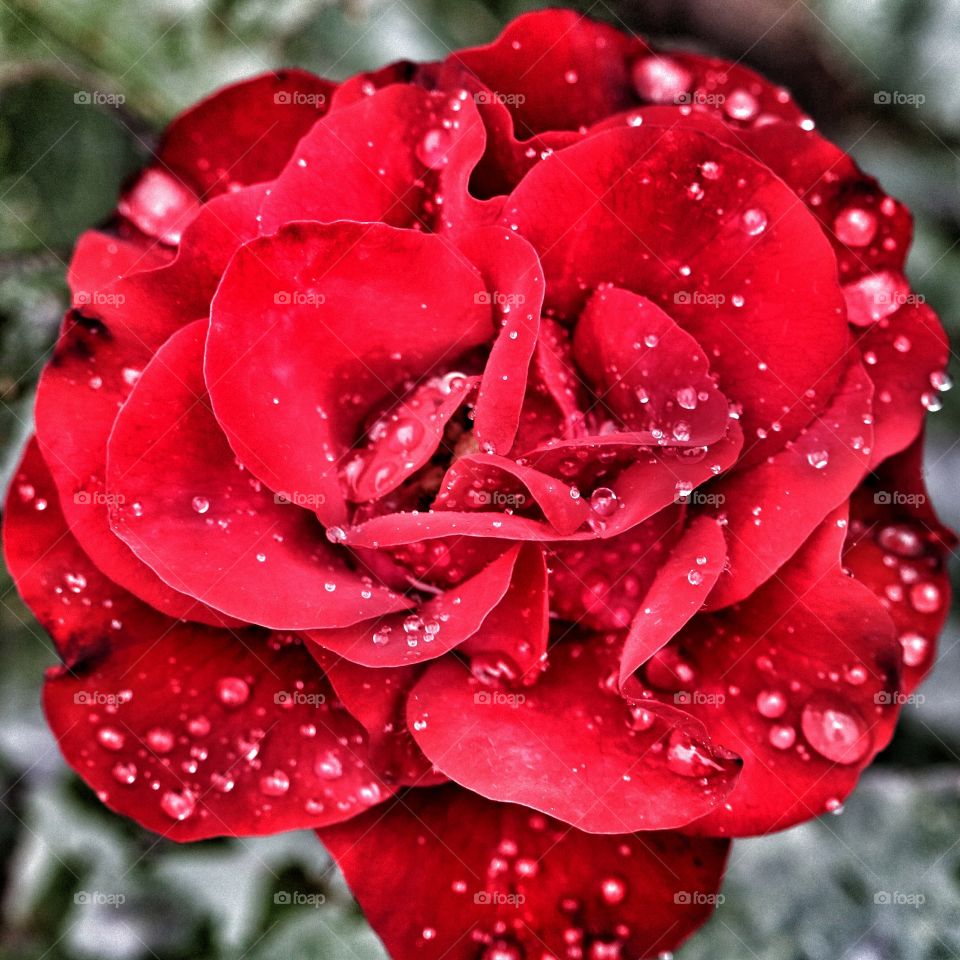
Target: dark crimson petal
point(653, 479)
point(397, 529)
point(600, 583)
point(801, 681)
point(243, 133)
point(198, 733)
point(184, 505)
point(905, 355)
point(377, 697)
point(770, 509)
point(555, 70)
point(83, 611)
point(99, 259)
point(505, 883)
point(489, 483)
point(651, 374)
point(387, 157)
point(330, 309)
point(428, 632)
point(681, 587)
point(98, 358)
point(159, 205)
point(511, 271)
point(568, 746)
point(754, 284)
point(405, 439)
point(897, 547)
point(511, 644)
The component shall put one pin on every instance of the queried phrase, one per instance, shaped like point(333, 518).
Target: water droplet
point(178, 806)
point(125, 773)
point(925, 597)
point(660, 79)
point(900, 540)
point(604, 502)
point(232, 691)
point(687, 398)
point(695, 578)
point(835, 731)
point(275, 784)
point(329, 767)
point(771, 703)
point(741, 105)
point(782, 737)
point(818, 459)
point(915, 648)
point(855, 226)
point(200, 504)
point(160, 740)
point(753, 221)
point(614, 889)
point(110, 738)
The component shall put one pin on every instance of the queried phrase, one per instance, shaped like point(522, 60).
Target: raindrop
point(834, 731)
point(200, 504)
point(178, 806)
point(232, 691)
point(753, 221)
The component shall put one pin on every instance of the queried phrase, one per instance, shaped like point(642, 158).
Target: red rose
point(508, 466)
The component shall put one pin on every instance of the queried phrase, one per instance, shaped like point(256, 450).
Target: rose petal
point(198, 733)
point(506, 882)
point(377, 697)
point(195, 516)
point(905, 356)
point(755, 285)
point(514, 282)
point(600, 583)
point(897, 548)
point(384, 158)
point(84, 612)
point(568, 746)
point(243, 133)
point(800, 680)
point(647, 371)
point(428, 632)
point(313, 299)
point(680, 589)
point(98, 358)
point(772, 508)
point(99, 259)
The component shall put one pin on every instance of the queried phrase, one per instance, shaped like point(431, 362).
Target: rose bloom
point(508, 467)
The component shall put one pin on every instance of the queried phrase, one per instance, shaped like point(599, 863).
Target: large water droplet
point(835, 731)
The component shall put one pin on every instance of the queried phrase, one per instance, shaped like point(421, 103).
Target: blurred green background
point(879, 882)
